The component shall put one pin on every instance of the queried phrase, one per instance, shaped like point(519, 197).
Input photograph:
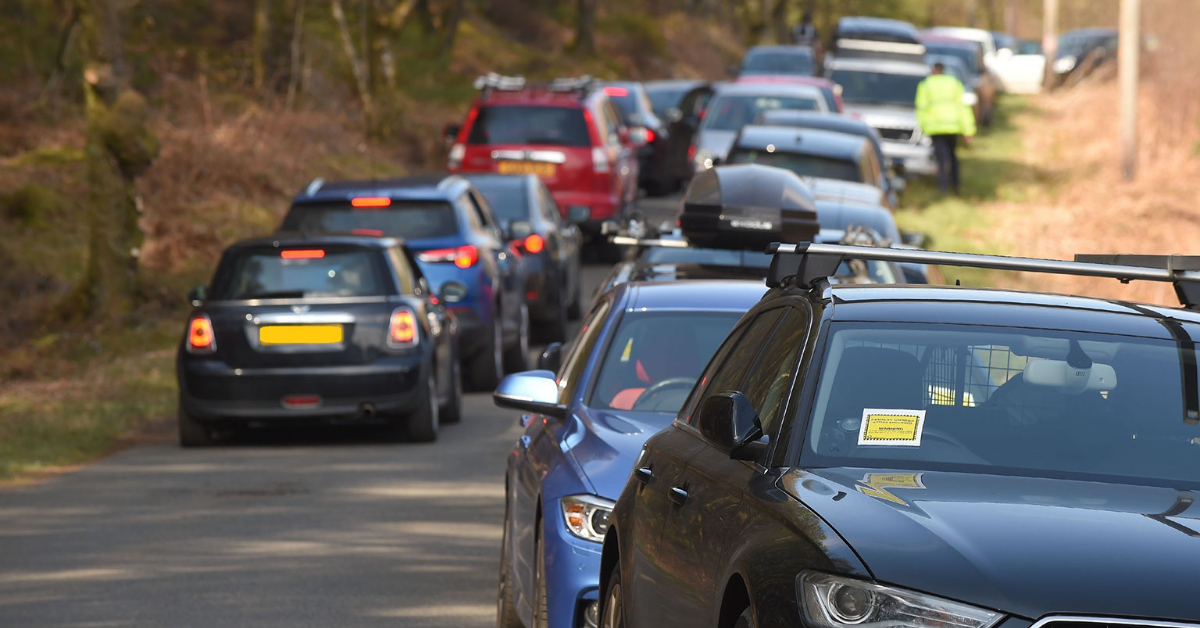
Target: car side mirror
point(450, 132)
point(729, 420)
point(578, 213)
point(198, 295)
point(551, 358)
point(532, 391)
point(914, 238)
point(519, 230)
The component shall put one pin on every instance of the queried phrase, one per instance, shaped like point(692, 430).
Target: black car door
point(663, 587)
point(681, 131)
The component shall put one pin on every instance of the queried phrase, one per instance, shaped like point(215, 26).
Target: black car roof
point(804, 140)
point(290, 239)
point(430, 186)
point(1006, 308)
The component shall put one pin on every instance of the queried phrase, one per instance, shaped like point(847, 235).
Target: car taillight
point(457, 152)
point(533, 243)
point(463, 256)
point(600, 159)
point(692, 152)
point(402, 329)
point(649, 136)
point(200, 337)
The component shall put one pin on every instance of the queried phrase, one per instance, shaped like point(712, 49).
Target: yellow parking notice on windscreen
point(891, 427)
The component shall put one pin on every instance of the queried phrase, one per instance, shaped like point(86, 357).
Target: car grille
point(898, 135)
point(1105, 622)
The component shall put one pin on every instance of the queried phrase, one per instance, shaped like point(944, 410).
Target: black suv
point(864, 456)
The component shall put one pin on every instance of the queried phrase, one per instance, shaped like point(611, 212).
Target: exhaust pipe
point(366, 411)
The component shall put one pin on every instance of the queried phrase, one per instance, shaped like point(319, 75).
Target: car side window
point(548, 206)
point(873, 173)
point(472, 213)
point(577, 357)
point(477, 206)
point(613, 121)
point(404, 270)
point(770, 379)
point(731, 368)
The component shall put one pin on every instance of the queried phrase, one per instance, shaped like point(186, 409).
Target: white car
point(1023, 70)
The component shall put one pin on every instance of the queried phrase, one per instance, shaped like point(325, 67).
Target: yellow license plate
point(539, 168)
point(300, 334)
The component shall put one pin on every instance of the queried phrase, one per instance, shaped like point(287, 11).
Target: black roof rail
point(808, 263)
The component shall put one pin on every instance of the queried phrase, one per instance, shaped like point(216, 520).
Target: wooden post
point(1128, 53)
point(1049, 38)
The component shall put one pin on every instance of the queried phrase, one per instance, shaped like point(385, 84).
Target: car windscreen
point(802, 164)
point(507, 198)
point(880, 222)
point(1044, 403)
point(654, 358)
point(412, 220)
point(301, 272)
point(730, 112)
point(662, 99)
point(777, 62)
point(877, 88)
point(530, 124)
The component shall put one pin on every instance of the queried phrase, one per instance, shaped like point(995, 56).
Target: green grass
point(992, 169)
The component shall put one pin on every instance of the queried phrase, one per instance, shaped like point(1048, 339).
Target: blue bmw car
point(623, 378)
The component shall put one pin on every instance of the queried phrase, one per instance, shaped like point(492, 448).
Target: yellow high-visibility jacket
point(940, 107)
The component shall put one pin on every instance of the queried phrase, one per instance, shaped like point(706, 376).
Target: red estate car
point(566, 131)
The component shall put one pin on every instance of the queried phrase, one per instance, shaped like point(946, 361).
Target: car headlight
point(586, 516)
point(837, 602)
point(1065, 64)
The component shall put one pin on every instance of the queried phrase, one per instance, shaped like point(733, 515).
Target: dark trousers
point(947, 161)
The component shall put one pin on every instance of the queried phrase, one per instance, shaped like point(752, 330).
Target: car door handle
point(678, 495)
point(644, 475)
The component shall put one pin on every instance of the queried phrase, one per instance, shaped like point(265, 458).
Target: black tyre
point(423, 424)
point(612, 609)
point(506, 609)
point(539, 582)
point(745, 620)
point(487, 366)
point(192, 431)
point(451, 411)
point(516, 357)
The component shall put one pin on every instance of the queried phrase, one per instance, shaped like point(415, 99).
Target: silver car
point(737, 105)
point(883, 94)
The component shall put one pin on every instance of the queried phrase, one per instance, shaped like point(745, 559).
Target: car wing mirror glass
point(729, 420)
point(198, 295)
point(551, 358)
point(532, 391)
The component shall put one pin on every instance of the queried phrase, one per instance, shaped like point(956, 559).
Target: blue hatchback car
point(457, 240)
point(624, 377)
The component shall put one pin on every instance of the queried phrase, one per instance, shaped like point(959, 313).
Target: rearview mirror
point(729, 420)
point(450, 132)
point(914, 238)
point(198, 295)
point(532, 391)
point(551, 358)
point(519, 230)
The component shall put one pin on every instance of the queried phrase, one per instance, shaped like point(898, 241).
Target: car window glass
point(412, 220)
point(301, 273)
point(549, 207)
point(732, 112)
point(530, 124)
point(580, 351)
point(613, 121)
point(804, 165)
point(770, 380)
point(481, 209)
point(733, 367)
point(506, 198)
point(471, 212)
point(404, 270)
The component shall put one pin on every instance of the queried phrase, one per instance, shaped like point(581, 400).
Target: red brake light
point(367, 232)
point(402, 330)
point(463, 256)
point(200, 335)
point(534, 243)
point(613, 90)
point(302, 254)
point(370, 201)
point(649, 136)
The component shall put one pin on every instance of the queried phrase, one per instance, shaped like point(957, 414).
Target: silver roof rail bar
point(808, 263)
point(314, 187)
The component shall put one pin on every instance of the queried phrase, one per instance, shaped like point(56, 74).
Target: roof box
point(748, 207)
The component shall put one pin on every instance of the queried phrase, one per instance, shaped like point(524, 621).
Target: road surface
point(326, 527)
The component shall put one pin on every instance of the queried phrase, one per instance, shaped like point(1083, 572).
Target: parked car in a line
point(666, 96)
point(1022, 70)
point(647, 133)
point(738, 104)
point(1081, 51)
point(299, 328)
point(458, 243)
point(777, 60)
point(883, 94)
point(862, 37)
point(692, 109)
point(822, 122)
point(978, 78)
point(548, 246)
point(829, 89)
point(917, 456)
point(567, 131)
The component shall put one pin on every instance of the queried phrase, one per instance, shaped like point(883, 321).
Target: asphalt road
point(325, 527)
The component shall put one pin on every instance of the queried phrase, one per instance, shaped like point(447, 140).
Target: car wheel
point(451, 411)
point(745, 620)
point(423, 424)
point(516, 358)
point(487, 367)
point(539, 582)
point(612, 614)
point(506, 609)
point(192, 431)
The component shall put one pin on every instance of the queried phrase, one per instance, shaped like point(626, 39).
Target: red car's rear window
point(530, 124)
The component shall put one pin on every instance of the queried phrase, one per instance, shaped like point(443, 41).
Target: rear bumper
point(602, 206)
point(212, 390)
point(917, 159)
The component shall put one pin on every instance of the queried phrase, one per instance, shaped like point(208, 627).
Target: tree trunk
point(356, 67)
point(294, 70)
point(258, 44)
point(119, 146)
point(585, 26)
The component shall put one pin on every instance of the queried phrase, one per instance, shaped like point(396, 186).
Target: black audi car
point(332, 328)
point(871, 456)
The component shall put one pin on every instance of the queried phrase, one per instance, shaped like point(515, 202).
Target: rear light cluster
point(462, 256)
point(600, 159)
point(532, 243)
point(200, 337)
point(402, 329)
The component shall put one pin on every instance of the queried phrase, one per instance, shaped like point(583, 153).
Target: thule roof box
point(807, 263)
point(747, 207)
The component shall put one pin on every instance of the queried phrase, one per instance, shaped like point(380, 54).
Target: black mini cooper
point(329, 328)
point(925, 457)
